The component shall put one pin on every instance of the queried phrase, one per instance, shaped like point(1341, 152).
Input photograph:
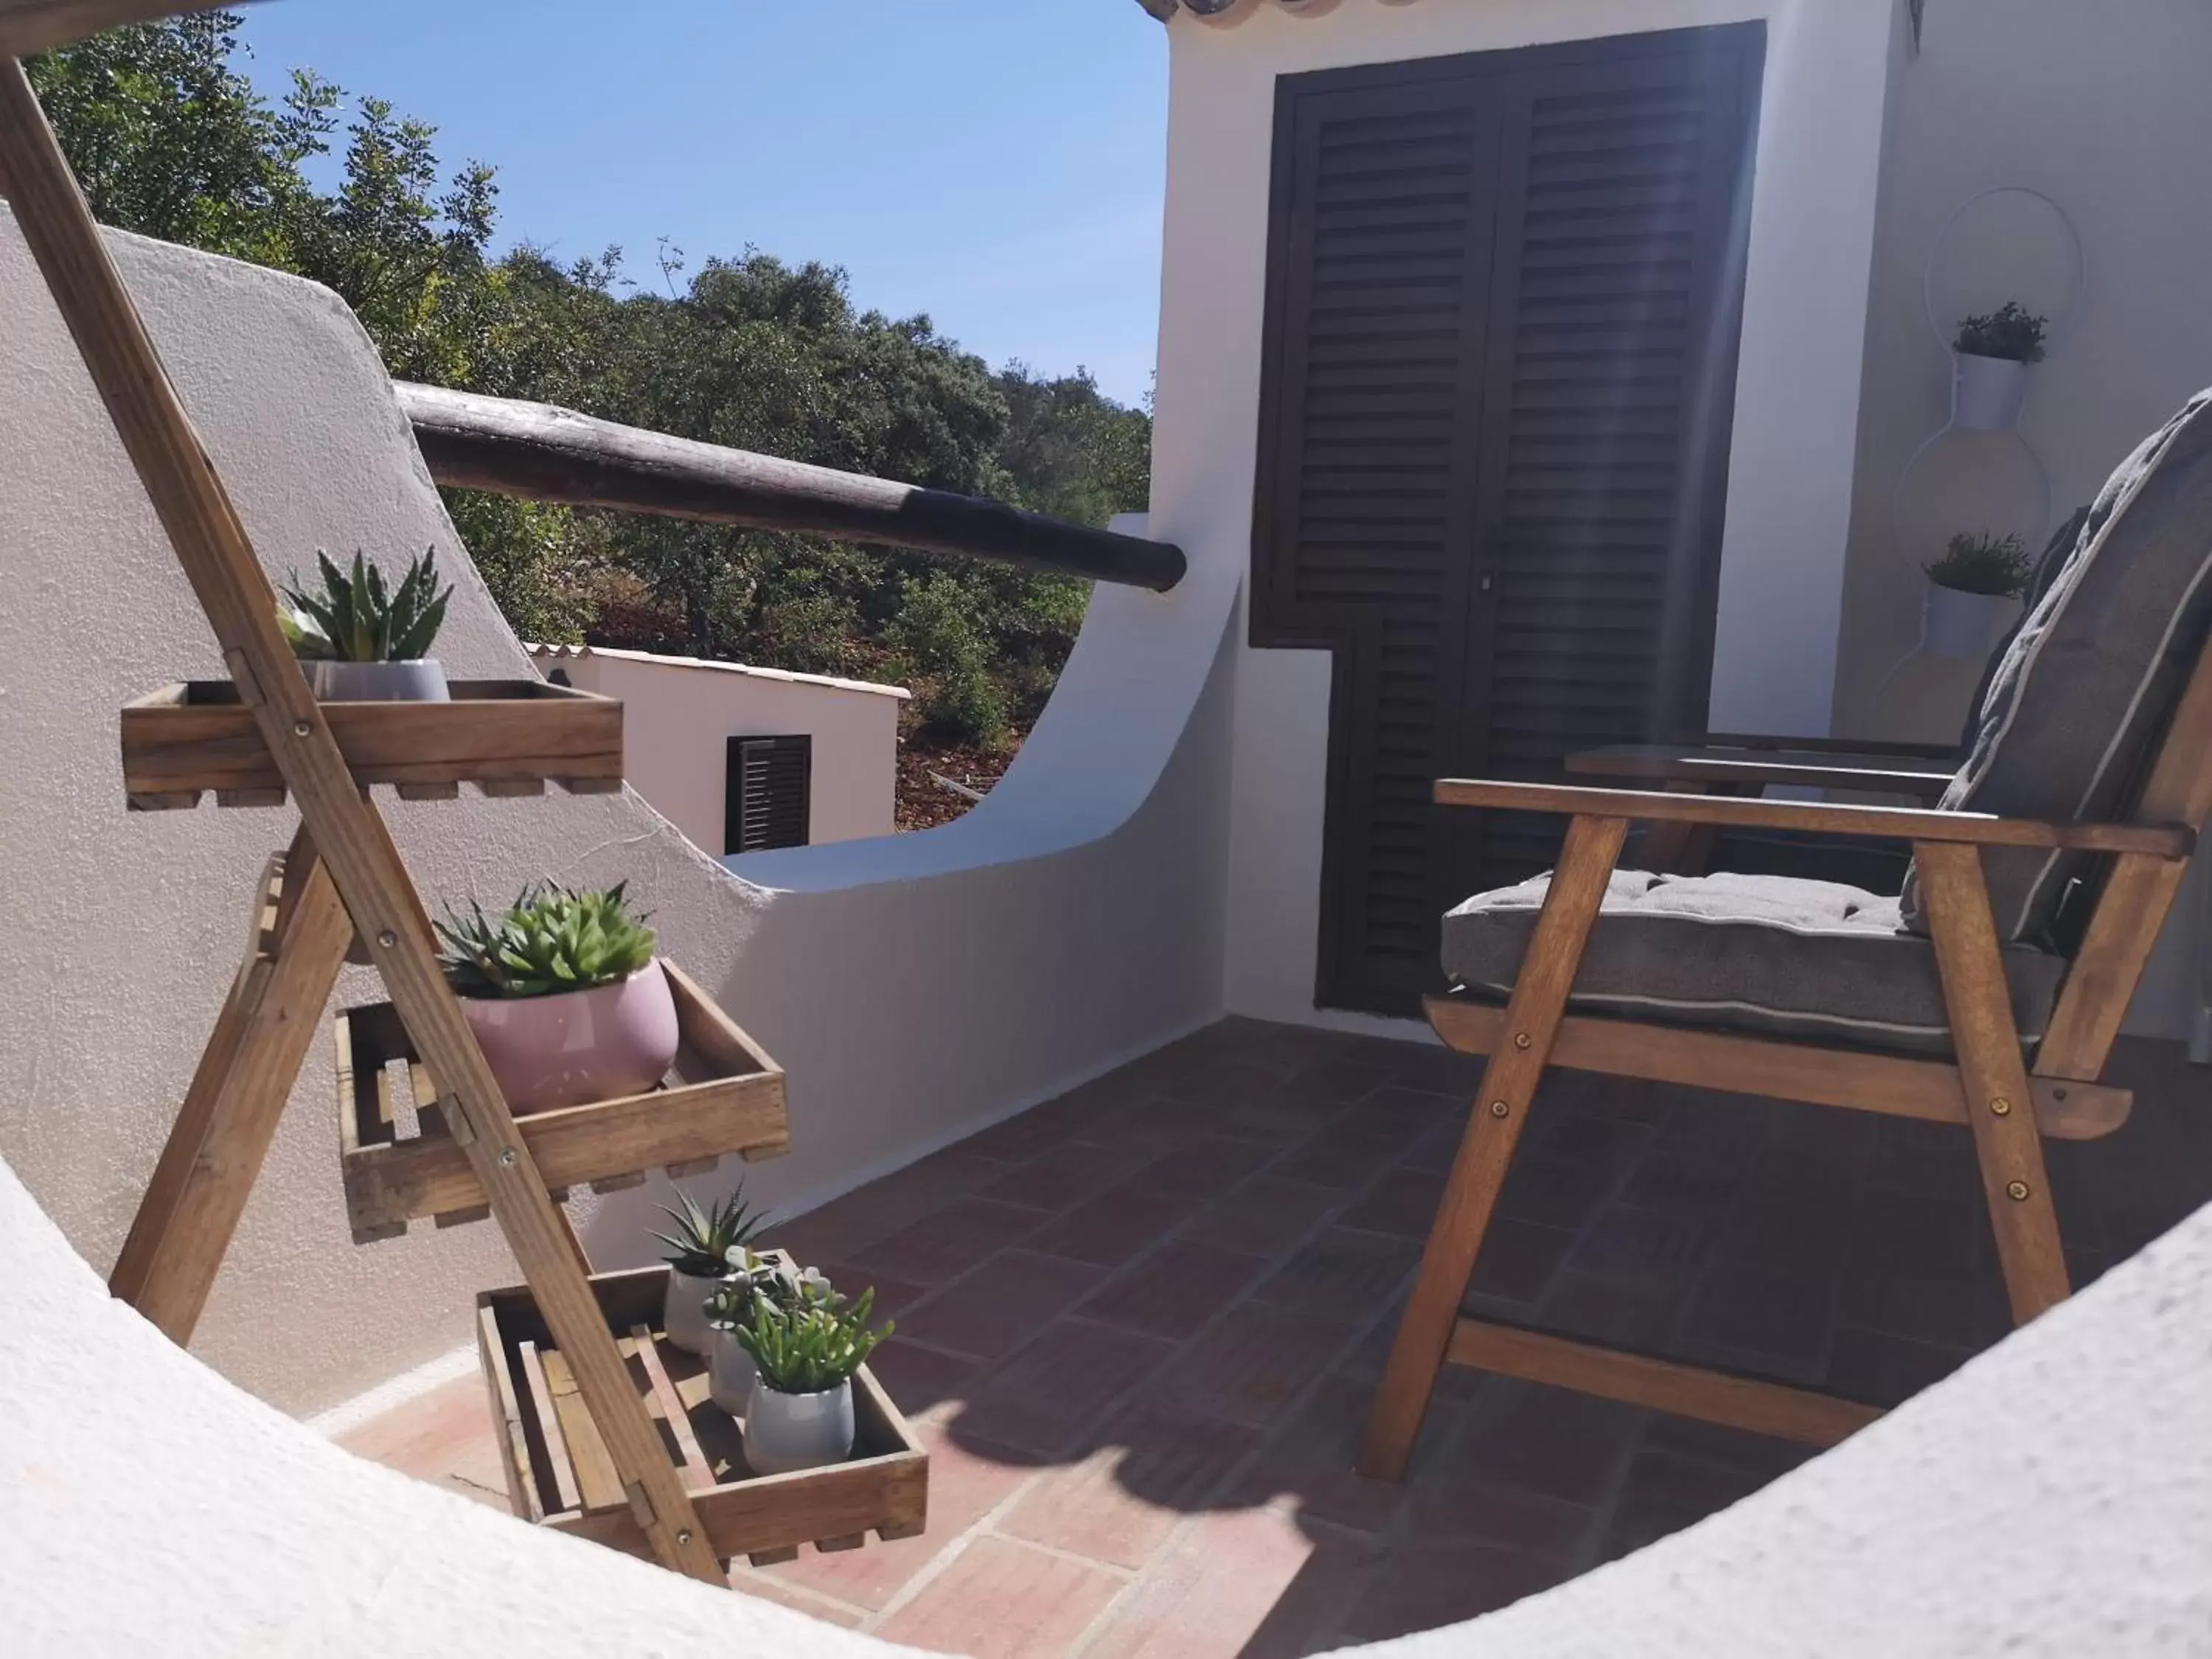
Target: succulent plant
point(811, 1345)
point(1998, 566)
point(356, 619)
point(707, 1241)
point(2011, 331)
point(749, 1275)
point(552, 939)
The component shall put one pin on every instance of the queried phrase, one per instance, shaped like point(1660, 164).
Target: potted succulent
point(359, 641)
point(1989, 358)
point(801, 1416)
point(730, 1371)
point(1977, 581)
point(707, 1245)
point(564, 995)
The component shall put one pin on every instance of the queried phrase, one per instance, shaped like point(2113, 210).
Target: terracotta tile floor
point(1140, 1326)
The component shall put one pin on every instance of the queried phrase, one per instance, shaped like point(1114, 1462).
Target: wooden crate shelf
point(559, 1476)
point(506, 736)
point(723, 1095)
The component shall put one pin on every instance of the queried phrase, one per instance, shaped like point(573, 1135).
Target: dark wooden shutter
point(768, 798)
point(1501, 347)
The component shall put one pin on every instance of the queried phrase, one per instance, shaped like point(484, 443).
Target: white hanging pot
point(731, 1372)
point(422, 680)
point(1962, 624)
point(684, 1312)
point(1987, 393)
point(785, 1432)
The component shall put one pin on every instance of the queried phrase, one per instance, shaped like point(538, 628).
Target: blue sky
point(995, 163)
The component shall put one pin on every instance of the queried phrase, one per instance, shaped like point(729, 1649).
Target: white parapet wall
point(914, 987)
point(680, 712)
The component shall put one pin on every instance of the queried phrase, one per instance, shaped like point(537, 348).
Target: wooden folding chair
point(2073, 820)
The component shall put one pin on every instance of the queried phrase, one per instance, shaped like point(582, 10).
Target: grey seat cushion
point(2073, 712)
point(1774, 955)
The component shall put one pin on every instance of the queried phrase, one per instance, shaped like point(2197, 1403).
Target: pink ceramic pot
point(580, 1048)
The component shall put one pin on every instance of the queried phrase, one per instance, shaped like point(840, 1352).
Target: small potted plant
point(359, 641)
point(1975, 583)
point(731, 1372)
point(707, 1244)
point(801, 1416)
point(1990, 357)
point(564, 994)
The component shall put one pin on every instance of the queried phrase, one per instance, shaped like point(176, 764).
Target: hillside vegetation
point(169, 139)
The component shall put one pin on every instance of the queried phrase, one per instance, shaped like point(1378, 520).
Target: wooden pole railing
point(545, 453)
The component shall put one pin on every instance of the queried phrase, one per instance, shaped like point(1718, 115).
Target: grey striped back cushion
point(2088, 685)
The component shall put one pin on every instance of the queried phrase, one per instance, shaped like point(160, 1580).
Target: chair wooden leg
point(1999, 1107)
point(215, 1150)
point(1509, 1085)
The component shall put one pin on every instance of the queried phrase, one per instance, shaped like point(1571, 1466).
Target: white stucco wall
point(679, 713)
point(1797, 395)
point(2104, 111)
point(2051, 1500)
point(920, 986)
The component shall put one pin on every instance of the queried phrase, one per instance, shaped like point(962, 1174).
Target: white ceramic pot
point(683, 1314)
point(1963, 624)
point(730, 1373)
point(419, 681)
point(1986, 393)
point(788, 1431)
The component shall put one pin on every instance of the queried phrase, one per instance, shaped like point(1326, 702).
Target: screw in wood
point(1521, 1039)
point(684, 1537)
point(387, 939)
point(506, 1158)
point(300, 728)
point(2016, 1190)
point(2001, 1106)
point(1499, 1108)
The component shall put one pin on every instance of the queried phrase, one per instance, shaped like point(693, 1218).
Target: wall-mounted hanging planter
point(1962, 625)
point(1987, 393)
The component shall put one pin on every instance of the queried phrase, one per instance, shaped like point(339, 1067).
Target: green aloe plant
point(1998, 566)
point(2011, 331)
point(552, 939)
point(357, 618)
point(707, 1241)
point(810, 1345)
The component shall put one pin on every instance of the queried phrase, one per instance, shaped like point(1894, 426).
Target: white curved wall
point(1073, 924)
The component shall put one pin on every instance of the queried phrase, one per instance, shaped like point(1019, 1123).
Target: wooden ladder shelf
point(342, 877)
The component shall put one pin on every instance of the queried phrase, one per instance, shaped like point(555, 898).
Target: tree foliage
point(169, 139)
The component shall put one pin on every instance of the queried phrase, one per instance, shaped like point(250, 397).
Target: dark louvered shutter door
point(1501, 345)
point(768, 796)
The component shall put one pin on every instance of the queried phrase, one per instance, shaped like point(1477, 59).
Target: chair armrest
point(2163, 840)
point(1945, 753)
point(1804, 767)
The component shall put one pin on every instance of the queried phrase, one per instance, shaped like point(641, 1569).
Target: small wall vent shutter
point(770, 794)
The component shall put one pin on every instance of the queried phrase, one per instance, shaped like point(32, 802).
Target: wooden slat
point(1668, 762)
point(2166, 841)
point(573, 1145)
point(1741, 1402)
point(1888, 1084)
point(507, 736)
point(1501, 1108)
point(2136, 898)
point(567, 1493)
point(215, 1150)
point(218, 559)
point(506, 1411)
point(597, 1480)
point(694, 1470)
point(2006, 1144)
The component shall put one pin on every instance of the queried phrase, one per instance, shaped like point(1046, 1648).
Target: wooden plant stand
point(342, 878)
point(559, 1476)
